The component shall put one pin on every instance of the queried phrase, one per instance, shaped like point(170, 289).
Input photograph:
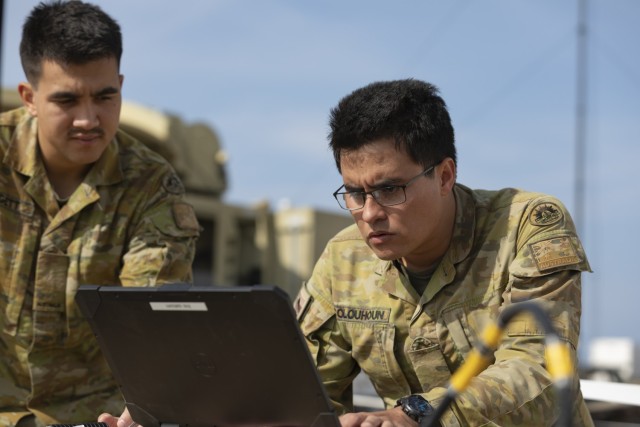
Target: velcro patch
point(185, 217)
point(553, 253)
point(359, 314)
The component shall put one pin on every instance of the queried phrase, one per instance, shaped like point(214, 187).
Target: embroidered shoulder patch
point(359, 314)
point(172, 184)
point(545, 214)
point(553, 253)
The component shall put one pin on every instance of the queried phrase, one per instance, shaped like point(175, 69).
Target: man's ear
point(27, 94)
point(447, 175)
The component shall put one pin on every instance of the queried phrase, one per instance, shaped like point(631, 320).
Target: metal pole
point(581, 117)
point(1, 44)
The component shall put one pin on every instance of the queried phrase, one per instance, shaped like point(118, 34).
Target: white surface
point(628, 394)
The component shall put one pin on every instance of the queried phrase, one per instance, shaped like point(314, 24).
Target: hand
point(392, 417)
point(123, 421)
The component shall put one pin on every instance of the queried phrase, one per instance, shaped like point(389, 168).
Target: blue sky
point(264, 75)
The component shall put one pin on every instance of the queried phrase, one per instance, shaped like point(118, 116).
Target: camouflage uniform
point(361, 313)
point(126, 224)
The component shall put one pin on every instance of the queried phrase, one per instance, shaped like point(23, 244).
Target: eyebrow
point(386, 183)
point(110, 90)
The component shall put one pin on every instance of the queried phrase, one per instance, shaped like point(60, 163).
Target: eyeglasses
point(389, 195)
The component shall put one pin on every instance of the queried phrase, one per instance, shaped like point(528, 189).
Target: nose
point(86, 116)
point(372, 210)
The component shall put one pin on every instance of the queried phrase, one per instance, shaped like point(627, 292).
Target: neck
point(65, 183)
point(438, 244)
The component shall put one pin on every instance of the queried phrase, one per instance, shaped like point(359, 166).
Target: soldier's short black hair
point(408, 111)
point(67, 32)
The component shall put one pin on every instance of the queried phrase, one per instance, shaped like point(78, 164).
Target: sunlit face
point(78, 110)
point(417, 231)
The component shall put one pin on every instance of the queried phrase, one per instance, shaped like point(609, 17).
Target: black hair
point(67, 32)
point(409, 111)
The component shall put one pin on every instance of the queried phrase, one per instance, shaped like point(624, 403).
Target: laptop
point(207, 356)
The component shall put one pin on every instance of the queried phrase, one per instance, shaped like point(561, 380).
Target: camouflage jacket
point(126, 224)
point(359, 313)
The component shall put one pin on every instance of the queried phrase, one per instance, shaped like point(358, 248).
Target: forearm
point(517, 387)
point(162, 247)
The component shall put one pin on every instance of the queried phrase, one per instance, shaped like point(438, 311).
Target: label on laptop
point(178, 306)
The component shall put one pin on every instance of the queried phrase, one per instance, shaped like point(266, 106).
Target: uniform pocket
point(371, 345)
point(430, 366)
point(462, 329)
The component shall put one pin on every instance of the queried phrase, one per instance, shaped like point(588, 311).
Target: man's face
point(78, 110)
point(417, 231)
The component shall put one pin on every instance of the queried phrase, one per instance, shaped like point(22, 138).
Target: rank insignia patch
point(545, 214)
point(553, 253)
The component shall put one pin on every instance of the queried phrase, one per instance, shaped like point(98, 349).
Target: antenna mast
point(581, 117)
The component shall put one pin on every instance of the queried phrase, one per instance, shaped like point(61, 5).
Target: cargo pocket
point(372, 348)
point(369, 341)
point(430, 366)
point(461, 336)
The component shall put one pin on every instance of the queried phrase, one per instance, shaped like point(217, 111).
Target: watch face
point(416, 407)
point(419, 404)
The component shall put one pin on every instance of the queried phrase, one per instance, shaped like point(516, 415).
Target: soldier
point(81, 202)
point(403, 294)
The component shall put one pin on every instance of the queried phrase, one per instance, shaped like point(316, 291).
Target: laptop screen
point(207, 356)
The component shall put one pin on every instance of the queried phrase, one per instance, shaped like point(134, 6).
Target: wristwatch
point(415, 406)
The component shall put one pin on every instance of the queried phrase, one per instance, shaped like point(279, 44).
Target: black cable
point(557, 356)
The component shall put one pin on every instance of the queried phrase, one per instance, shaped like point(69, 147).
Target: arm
point(327, 347)
point(331, 353)
point(161, 246)
point(516, 388)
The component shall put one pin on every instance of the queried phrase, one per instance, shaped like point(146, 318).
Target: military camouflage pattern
point(126, 224)
point(361, 313)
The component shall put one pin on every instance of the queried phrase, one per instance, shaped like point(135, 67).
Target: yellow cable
point(558, 360)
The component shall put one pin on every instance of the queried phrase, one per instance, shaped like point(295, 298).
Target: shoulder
point(140, 163)
point(349, 246)
point(348, 234)
point(493, 200)
point(13, 117)
point(135, 153)
point(346, 260)
point(519, 206)
point(9, 121)
point(540, 226)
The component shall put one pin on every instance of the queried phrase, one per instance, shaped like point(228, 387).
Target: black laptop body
point(207, 356)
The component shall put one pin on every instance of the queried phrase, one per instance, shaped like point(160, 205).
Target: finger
point(108, 419)
point(372, 421)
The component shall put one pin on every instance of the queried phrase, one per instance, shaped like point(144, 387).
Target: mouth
point(86, 137)
point(378, 237)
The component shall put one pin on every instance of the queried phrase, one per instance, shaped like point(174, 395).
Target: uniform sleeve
point(330, 351)
point(162, 245)
point(517, 389)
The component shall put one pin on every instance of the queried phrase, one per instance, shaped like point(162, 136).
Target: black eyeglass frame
point(342, 194)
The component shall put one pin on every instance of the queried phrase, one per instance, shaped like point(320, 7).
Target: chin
point(385, 255)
